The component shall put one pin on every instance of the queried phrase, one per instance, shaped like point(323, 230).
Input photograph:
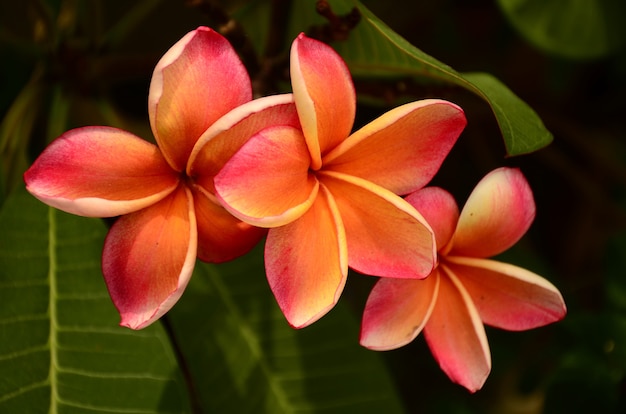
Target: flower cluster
point(466, 289)
point(228, 170)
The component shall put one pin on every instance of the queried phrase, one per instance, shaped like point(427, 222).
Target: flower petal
point(268, 183)
point(226, 136)
point(439, 209)
point(507, 296)
point(496, 215)
point(456, 335)
point(221, 237)
point(197, 81)
point(306, 262)
point(396, 311)
point(386, 236)
point(100, 172)
point(402, 149)
point(148, 258)
point(324, 94)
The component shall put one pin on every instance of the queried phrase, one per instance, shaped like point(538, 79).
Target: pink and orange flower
point(466, 289)
point(331, 199)
point(200, 112)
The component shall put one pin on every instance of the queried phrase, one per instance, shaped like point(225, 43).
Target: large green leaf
point(61, 350)
point(243, 357)
point(579, 29)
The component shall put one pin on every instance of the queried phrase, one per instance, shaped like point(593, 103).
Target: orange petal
point(268, 183)
point(221, 237)
point(508, 296)
point(396, 311)
point(196, 82)
point(226, 136)
point(386, 235)
point(306, 262)
point(403, 149)
point(100, 172)
point(148, 258)
point(497, 214)
point(439, 209)
point(456, 335)
point(324, 94)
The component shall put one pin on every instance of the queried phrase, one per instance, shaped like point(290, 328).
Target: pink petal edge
point(507, 296)
point(267, 183)
point(100, 172)
point(197, 81)
point(229, 133)
point(306, 262)
point(496, 215)
point(324, 95)
point(440, 211)
point(402, 149)
point(386, 236)
point(456, 335)
point(396, 311)
point(145, 268)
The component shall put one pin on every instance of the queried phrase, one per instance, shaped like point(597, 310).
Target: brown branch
point(338, 27)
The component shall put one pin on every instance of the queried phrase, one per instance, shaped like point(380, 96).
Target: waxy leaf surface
point(61, 350)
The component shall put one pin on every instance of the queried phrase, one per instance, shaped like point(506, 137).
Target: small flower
point(466, 289)
point(331, 198)
point(164, 194)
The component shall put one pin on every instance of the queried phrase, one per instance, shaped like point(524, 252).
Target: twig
point(338, 27)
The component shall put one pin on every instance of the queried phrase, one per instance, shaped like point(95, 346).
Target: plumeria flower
point(164, 194)
point(466, 289)
point(331, 198)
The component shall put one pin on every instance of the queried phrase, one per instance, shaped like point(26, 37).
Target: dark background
point(578, 240)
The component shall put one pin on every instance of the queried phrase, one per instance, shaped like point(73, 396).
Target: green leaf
point(60, 347)
point(243, 357)
point(577, 29)
point(375, 49)
point(522, 129)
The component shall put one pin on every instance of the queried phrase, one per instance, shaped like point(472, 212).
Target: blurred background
point(72, 63)
point(577, 241)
